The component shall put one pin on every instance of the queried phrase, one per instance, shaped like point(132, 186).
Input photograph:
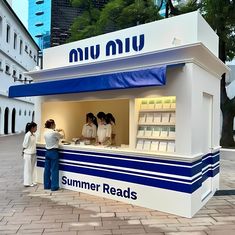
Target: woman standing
point(104, 130)
point(29, 154)
point(89, 129)
point(51, 170)
point(111, 120)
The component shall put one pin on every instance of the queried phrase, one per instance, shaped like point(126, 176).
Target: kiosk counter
point(162, 84)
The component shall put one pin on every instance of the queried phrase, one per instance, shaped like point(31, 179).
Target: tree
point(116, 15)
point(84, 25)
point(220, 14)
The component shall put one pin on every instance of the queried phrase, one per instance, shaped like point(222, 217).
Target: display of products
point(156, 125)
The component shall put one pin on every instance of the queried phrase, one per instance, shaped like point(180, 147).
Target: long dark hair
point(110, 118)
point(92, 117)
point(29, 126)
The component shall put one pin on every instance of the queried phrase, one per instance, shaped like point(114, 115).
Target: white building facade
point(18, 54)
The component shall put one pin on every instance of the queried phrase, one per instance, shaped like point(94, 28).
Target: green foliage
point(116, 15)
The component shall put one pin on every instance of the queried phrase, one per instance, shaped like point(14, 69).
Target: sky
point(21, 9)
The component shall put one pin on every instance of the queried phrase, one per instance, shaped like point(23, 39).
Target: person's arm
point(26, 141)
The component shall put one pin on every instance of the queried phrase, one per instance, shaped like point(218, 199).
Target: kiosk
point(161, 81)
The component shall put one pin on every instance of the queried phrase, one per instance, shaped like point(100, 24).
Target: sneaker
point(31, 185)
point(34, 184)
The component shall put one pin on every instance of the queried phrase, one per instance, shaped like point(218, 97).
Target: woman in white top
point(29, 154)
point(51, 169)
point(89, 129)
point(111, 120)
point(104, 130)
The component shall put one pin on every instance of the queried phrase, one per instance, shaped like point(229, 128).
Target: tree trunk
point(227, 106)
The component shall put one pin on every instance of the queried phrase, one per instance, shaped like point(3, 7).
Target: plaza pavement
point(35, 211)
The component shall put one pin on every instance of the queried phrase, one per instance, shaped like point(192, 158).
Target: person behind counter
point(51, 170)
point(90, 128)
point(29, 154)
point(111, 120)
point(104, 130)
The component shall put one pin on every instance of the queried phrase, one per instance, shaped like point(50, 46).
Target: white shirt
point(52, 138)
point(29, 143)
point(104, 131)
point(89, 130)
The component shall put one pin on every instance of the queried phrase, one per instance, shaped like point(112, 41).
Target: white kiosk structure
point(161, 81)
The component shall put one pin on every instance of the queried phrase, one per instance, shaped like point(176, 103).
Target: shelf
point(156, 124)
point(155, 138)
point(156, 110)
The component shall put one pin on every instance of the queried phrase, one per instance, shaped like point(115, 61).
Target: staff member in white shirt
point(104, 130)
point(29, 154)
point(51, 170)
point(90, 128)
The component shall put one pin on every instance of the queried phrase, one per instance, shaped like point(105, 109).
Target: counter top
point(127, 152)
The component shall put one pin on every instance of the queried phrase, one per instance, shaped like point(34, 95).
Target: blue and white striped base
point(130, 178)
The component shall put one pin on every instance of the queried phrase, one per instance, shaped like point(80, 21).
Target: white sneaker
point(34, 184)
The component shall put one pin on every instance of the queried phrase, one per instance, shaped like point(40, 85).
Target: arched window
point(25, 113)
point(20, 112)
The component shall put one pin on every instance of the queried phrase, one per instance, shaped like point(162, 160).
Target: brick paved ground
point(35, 211)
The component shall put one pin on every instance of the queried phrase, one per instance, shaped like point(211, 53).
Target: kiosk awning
point(122, 80)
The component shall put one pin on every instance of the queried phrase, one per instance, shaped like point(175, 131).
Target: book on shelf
point(148, 131)
point(162, 146)
point(154, 146)
point(140, 132)
point(164, 132)
point(139, 145)
point(156, 131)
point(171, 147)
point(142, 118)
point(149, 118)
point(172, 118)
point(157, 118)
point(167, 104)
point(165, 117)
point(158, 104)
point(146, 145)
point(144, 104)
point(171, 132)
point(151, 104)
point(173, 103)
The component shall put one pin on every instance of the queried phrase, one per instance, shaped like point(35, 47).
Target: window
point(25, 112)
point(7, 71)
point(0, 26)
point(8, 33)
point(29, 113)
point(14, 73)
point(21, 44)
point(20, 112)
point(1, 65)
point(30, 53)
point(35, 58)
point(15, 40)
point(39, 24)
point(39, 1)
point(20, 77)
point(39, 13)
point(26, 49)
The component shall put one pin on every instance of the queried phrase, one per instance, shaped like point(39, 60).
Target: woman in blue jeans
point(51, 170)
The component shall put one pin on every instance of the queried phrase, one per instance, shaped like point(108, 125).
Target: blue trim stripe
point(146, 166)
point(172, 175)
point(122, 80)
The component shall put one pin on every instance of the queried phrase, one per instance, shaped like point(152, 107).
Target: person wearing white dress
point(29, 154)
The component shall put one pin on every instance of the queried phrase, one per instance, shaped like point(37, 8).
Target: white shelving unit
point(156, 125)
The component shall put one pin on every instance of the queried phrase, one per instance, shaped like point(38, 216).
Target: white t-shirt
point(89, 130)
point(104, 131)
point(29, 143)
point(52, 138)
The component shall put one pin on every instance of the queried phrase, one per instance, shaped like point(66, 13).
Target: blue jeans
point(51, 171)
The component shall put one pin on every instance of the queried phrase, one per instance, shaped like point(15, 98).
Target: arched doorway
point(33, 116)
point(13, 121)
point(6, 115)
